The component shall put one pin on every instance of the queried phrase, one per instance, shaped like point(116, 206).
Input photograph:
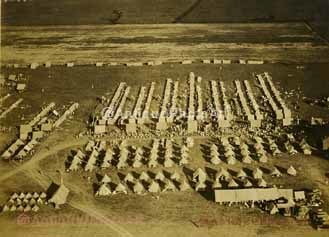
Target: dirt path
point(40, 155)
point(87, 207)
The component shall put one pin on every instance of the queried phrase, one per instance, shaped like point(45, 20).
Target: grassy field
point(287, 42)
point(77, 12)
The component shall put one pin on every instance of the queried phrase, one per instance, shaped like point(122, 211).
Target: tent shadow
point(52, 189)
point(209, 195)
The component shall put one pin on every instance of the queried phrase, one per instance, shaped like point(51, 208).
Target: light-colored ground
point(292, 42)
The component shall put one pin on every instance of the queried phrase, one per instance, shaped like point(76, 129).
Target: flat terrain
point(85, 12)
point(286, 42)
point(183, 214)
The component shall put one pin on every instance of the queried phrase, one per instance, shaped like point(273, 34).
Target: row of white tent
point(21, 208)
point(125, 158)
point(140, 187)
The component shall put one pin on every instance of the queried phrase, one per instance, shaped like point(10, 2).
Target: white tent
point(144, 176)
point(138, 157)
point(217, 184)
point(152, 163)
point(122, 164)
point(75, 164)
point(243, 147)
point(129, 178)
point(183, 160)
point(35, 195)
point(215, 159)
point(106, 179)
point(120, 188)
point(138, 188)
point(245, 152)
point(27, 208)
point(184, 149)
point(137, 164)
point(43, 195)
point(257, 173)
point(169, 186)
point(139, 151)
point(168, 163)
point(291, 171)
point(263, 158)
point(154, 187)
point(175, 176)
point(236, 140)
point(231, 160)
point(247, 159)
point(35, 208)
point(14, 196)
point(241, 174)
point(13, 208)
point(224, 141)
point(200, 186)
point(276, 173)
point(199, 175)
point(160, 176)
point(261, 183)
point(103, 190)
point(233, 184)
point(247, 183)
point(5, 208)
point(108, 155)
point(222, 174)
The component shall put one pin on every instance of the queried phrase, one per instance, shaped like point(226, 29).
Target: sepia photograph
point(164, 118)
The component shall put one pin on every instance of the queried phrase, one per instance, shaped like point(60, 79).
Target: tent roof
point(144, 176)
point(106, 179)
point(232, 184)
point(261, 183)
point(241, 174)
point(247, 183)
point(160, 175)
point(60, 195)
point(291, 170)
point(276, 172)
point(154, 187)
point(250, 194)
point(103, 190)
point(120, 188)
point(129, 177)
point(138, 187)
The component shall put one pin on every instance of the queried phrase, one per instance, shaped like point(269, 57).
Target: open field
point(285, 42)
point(82, 12)
point(183, 214)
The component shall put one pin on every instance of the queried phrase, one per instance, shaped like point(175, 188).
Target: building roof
point(251, 194)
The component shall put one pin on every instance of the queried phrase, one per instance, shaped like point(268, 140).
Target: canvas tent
point(103, 190)
point(223, 174)
point(257, 173)
point(144, 176)
point(199, 176)
point(59, 197)
point(120, 188)
point(291, 171)
point(154, 187)
point(138, 188)
point(106, 179)
point(160, 176)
